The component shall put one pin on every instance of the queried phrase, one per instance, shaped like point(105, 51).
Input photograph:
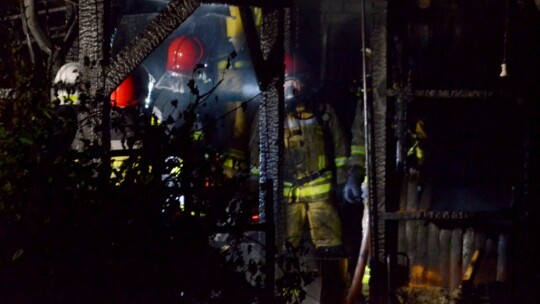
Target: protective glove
point(352, 193)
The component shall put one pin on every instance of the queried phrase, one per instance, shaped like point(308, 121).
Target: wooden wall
point(437, 253)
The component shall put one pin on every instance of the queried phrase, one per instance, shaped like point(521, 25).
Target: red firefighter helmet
point(185, 52)
point(125, 94)
point(294, 66)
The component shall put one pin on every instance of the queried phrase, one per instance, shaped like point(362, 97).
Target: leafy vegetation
point(68, 233)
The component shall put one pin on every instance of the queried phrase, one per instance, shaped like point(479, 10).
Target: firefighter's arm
point(340, 146)
point(352, 191)
point(357, 158)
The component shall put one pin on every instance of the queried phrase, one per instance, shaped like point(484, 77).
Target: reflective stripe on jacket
point(306, 153)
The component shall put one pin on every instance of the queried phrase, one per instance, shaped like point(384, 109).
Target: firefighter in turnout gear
point(314, 161)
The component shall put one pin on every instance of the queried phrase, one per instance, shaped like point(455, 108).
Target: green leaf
point(7, 187)
point(26, 141)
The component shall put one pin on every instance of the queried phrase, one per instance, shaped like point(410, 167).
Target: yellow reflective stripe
point(232, 163)
point(228, 163)
point(340, 161)
point(116, 165)
point(176, 170)
point(257, 13)
point(419, 153)
point(233, 158)
point(234, 23)
point(322, 162)
point(307, 190)
point(319, 186)
point(367, 275)
point(154, 121)
point(358, 150)
point(69, 99)
point(411, 150)
point(221, 65)
point(117, 161)
point(197, 135)
point(255, 171)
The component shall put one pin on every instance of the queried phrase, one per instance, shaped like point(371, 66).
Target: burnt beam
point(176, 12)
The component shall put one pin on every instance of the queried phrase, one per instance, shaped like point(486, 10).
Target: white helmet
point(66, 84)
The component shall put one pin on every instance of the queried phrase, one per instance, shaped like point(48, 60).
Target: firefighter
point(186, 61)
point(239, 85)
point(314, 163)
point(66, 100)
point(127, 102)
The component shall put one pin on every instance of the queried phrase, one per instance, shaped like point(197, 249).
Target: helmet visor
point(292, 88)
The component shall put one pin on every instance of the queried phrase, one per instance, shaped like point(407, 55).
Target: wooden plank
point(480, 244)
point(488, 268)
point(426, 197)
point(468, 248)
point(403, 195)
point(411, 228)
point(455, 258)
point(503, 258)
point(412, 192)
point(445, 239)
point(432, 275)
point(472, 268)
point(376, 130)
point(421, 252)
point(422, 234)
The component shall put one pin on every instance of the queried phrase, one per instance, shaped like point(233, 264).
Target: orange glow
point(422, 276)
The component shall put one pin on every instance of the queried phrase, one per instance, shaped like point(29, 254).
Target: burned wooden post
point(445, 237)
point(268, 62)
point(503, 258)
point(411, 226)
point(433, 276)
point(455, 258)
point(375, 127)
point(91, 59)
point(467, 248)
point(421, 253)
